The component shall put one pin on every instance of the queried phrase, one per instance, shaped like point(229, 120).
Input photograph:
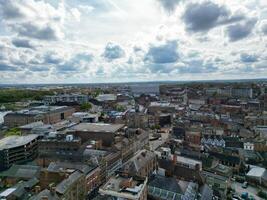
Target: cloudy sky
point(81, 41)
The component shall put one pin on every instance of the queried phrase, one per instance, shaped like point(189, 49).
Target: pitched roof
point(206, 192)
point(66, 183)
point(165, 183)
point(22, 171)
point(45, 193)
point(57, 166)
point(188, 174)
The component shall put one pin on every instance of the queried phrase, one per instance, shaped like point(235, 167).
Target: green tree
point(86, 106)
point(120, 108)
point(13, 131)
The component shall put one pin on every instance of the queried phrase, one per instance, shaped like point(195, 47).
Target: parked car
point(244, 195)
point(245, 184)
point(236, 197)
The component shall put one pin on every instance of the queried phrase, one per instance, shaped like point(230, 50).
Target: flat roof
point(38, 110)
point(7, 192)
point(32, 125)
point(15, 141)
point(256, 172)
point(97, 127)
point(120, 185)
point(186, 160)
point(106, 97)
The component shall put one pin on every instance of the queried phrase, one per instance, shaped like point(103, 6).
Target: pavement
point(250, 189)
point(156, 143)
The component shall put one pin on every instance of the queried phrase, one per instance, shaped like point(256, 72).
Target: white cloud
point(67, 41)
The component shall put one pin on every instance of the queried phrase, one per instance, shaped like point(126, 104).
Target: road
point(250, 189)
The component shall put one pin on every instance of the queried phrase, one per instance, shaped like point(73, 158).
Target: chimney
point(37, 189)
point(53, 190)
point(174, 159)
point(44, 198)
point(127, 183)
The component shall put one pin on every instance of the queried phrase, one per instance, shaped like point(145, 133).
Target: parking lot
point(252, 191)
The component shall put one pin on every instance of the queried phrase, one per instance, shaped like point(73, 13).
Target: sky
point(91, 41)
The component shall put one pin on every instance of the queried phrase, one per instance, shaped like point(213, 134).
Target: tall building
point(79, 98)
point(17, 149)
point(46, 114)
point(242, 92)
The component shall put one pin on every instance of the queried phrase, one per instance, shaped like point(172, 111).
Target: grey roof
point(22, 171)
point(256, 172)
point(65, 184)
point(57, 166)
point(32, 125)
point(165, 183)
point(97, 127)
point(45, 193)
point(38, 110)
point(106, 97)
point(16, 141)
point(206, 192)
point(138, 161)
point(32, 182)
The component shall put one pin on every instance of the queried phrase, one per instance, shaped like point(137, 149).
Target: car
point(235, 196)
point(244, 195)
point(245, 184)
point(233, 179)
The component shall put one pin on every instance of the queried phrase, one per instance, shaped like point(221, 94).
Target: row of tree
point(15, 95)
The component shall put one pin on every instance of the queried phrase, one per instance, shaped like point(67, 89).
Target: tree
point(120, 108)
point(86, 106)
point(13, 131)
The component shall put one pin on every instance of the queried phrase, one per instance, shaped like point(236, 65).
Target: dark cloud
point(166, 53)
point(10, 10)
point(52, 58)
point(137, 49)
point(39, 68)
point(74, 63)
point(22, 43)
point(7, 67)
point(201, 17)
point(261, 65)
point(32, 30)
point(84, 57)
point(264, 28)
point(240, 30)
point(161, 68)
point(67, 67)
point(169, 5)
point(197, 66)
point(113, 51)
point(248, 58)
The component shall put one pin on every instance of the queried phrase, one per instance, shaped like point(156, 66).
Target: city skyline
point(78, 41)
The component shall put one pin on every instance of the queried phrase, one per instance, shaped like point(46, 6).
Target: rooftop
point(65, 184)
point(38, 110)
point(256, 172)
point(16, 141)
point(123, 186)
point(167, 183)
point(97, 127)
point(58, 166)
point(106, 97)
point(189, 161)
point(21, 171)
point(32, 125)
